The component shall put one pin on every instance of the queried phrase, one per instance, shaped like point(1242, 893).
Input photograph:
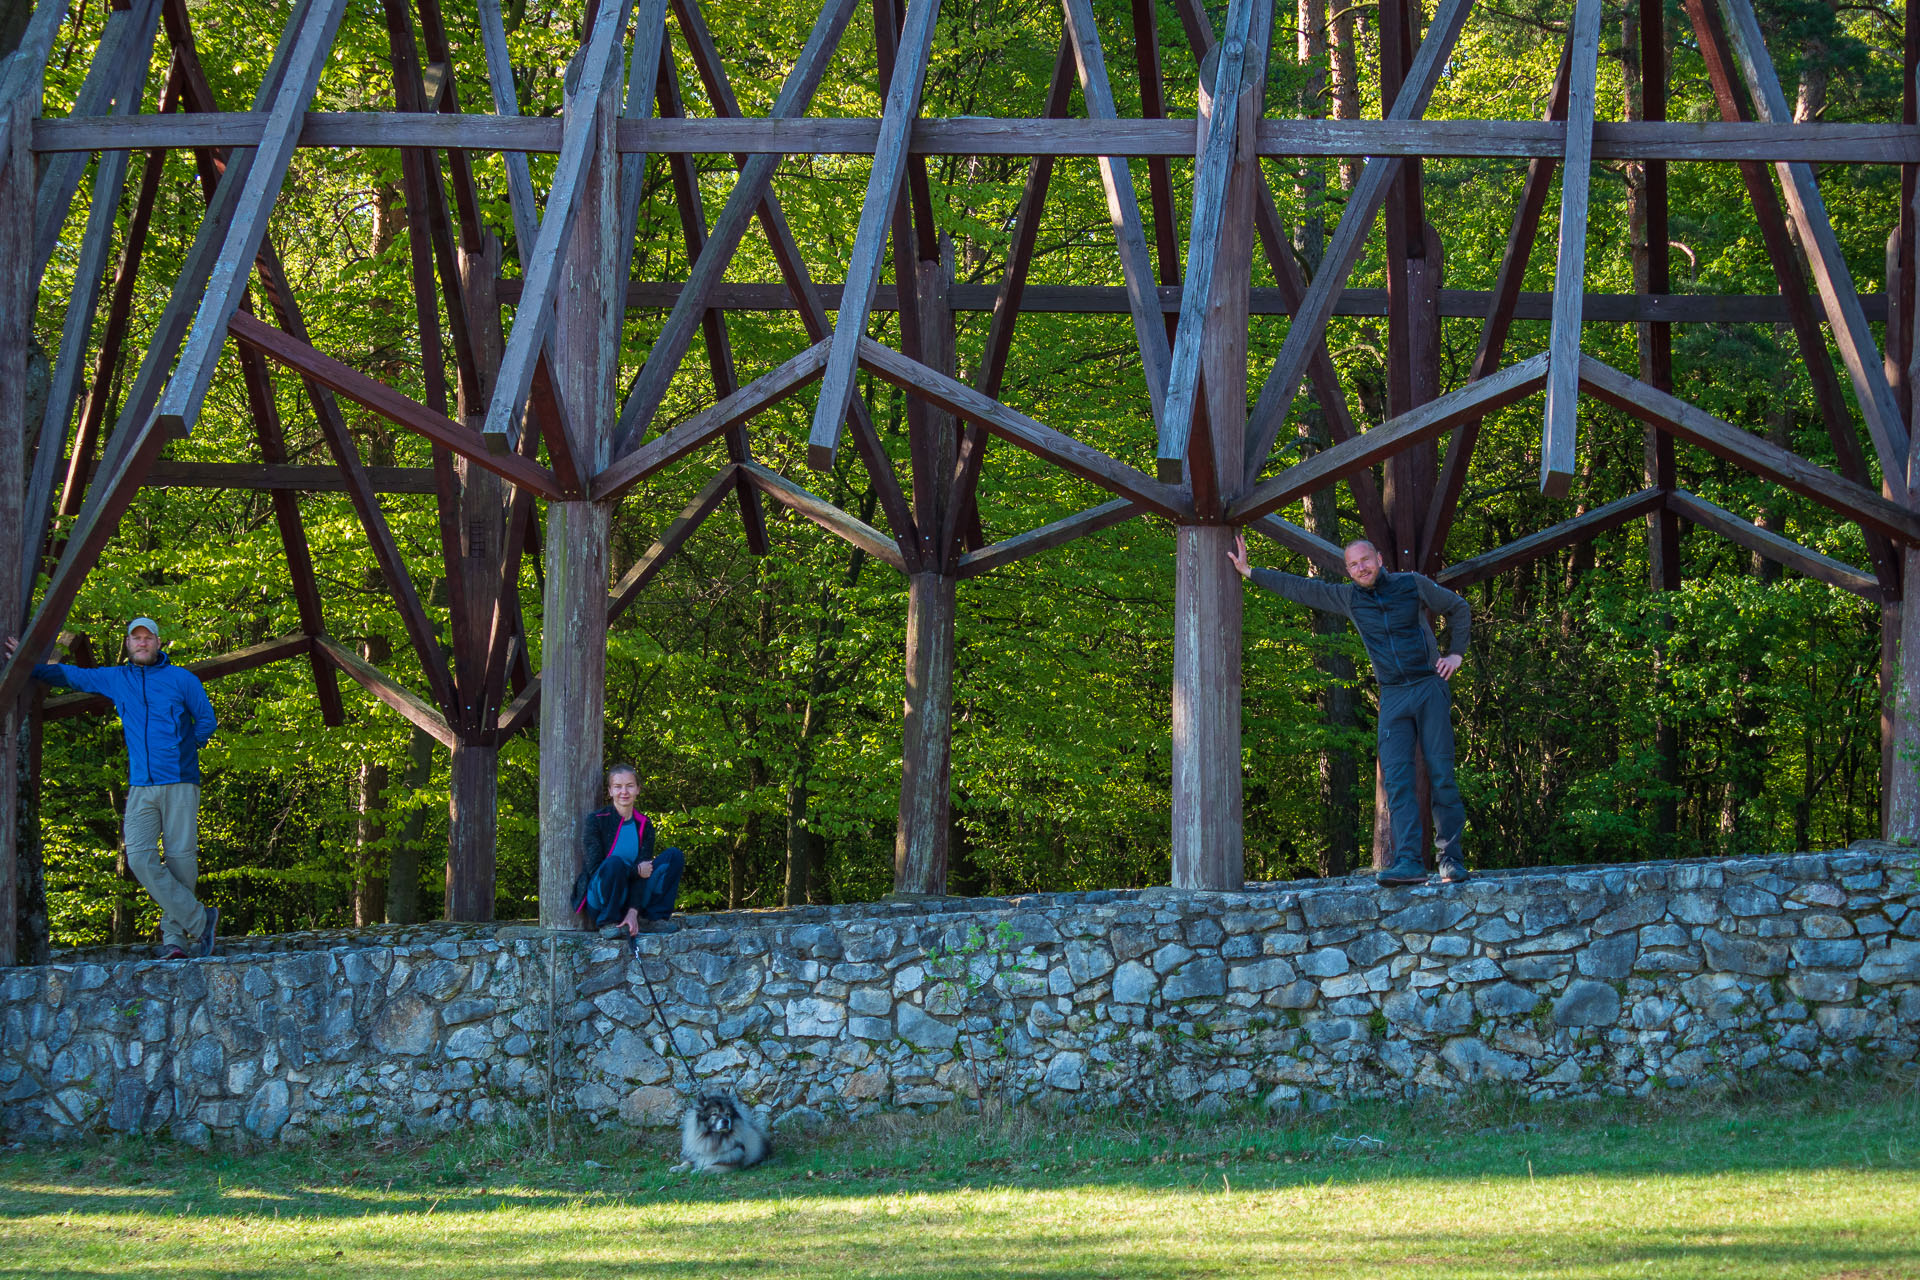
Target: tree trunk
point(403, 864)
point(1343, 65)
point(370, 825)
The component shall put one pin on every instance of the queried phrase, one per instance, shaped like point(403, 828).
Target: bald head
point(1363, 562)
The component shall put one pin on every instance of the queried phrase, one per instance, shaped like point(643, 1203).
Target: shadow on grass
point(1162, 1163)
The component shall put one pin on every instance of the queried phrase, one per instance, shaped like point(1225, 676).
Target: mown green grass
point(1789, 1182)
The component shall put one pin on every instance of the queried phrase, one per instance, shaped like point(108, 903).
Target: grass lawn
point(1786, 1182)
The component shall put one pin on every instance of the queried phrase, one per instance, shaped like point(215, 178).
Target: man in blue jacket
point(1389, 610)
point(166, 718)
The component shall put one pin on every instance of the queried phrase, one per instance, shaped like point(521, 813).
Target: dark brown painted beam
point(843, 525)
point(1048, 536)
point(1596, 308)
point(1750, 452)
point(1581, 528)
point(1515, 382)
point(410, 705)
point(371, 393)
point(1785, 551)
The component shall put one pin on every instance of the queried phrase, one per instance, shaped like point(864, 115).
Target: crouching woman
point(625, 880)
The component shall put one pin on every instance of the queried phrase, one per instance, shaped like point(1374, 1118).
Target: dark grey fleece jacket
point(1391, 617)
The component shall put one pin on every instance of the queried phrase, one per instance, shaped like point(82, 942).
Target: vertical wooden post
point(1900, 620)
point(926, 749)
point(920, 838)
point(1651, 261)
point(591, 305)
point(16, 346)
point(1209, 849)
point(473, 793)
point(473, 820)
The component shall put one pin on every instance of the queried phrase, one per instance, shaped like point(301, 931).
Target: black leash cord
point(692, 1079)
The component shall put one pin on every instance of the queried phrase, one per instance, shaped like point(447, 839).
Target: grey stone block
point(1587, 1004)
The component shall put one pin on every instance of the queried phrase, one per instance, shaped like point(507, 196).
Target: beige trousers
point(168, 815)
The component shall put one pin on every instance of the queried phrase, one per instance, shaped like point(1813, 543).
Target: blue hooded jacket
point(164, 714)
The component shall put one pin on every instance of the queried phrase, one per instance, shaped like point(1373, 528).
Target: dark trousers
point(653, 896)
point(1419, 713)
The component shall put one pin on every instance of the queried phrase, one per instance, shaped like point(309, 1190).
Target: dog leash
point(660, 1013)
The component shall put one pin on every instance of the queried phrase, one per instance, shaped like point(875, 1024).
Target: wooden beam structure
point(521, 293)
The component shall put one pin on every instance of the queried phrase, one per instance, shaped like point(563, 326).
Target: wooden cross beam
point(1056, 533)
point(1061, 450)
point(870, 238)
point(723, 240)
point(179, 407)
point(1214, 169)
point(1493, 333)
point(1773, 546)
point(1498, 390)
point(533, 320)
point(1558, 434)
point(1584, 527)
point(841, 524)
point(1154, 140)
point(1858, 350)
point(1748, 451)
point(1123, 210)
point(1349, 238)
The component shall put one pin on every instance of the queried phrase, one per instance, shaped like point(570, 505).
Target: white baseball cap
point(148, 623)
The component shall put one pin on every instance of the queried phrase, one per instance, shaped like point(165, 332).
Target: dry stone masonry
point(1557, 983)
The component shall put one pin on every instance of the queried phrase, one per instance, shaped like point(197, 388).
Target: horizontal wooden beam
point(841, 524)
point(1060, 449)
point(1814, 143)
point(227, 664)
point(168, 473)
point(1071, 299)
point(1584, 527)
point(1746, 450)
point(1780, 550)
point(409, 704)
point(1476, 399)
point(1323, 554)
point(371, 393)
point(1047, 536)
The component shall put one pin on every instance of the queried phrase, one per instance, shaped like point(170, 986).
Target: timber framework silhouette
point(536, 439)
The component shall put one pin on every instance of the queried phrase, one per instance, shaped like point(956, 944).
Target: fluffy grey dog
point(718, 1135)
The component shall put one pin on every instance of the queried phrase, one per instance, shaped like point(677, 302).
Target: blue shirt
point(164, 714)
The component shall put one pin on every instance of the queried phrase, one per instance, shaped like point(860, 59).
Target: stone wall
point(1559, 983)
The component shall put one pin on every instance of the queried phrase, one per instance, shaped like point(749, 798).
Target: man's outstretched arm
point(1311, 592)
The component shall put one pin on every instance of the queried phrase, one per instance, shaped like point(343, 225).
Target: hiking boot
point(1453, 870)
point(205, 945)
point(1402, 873)
point(173, 952)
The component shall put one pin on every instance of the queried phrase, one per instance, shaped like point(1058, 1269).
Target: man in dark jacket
point(166, 719)
point(1390, 612)
point(623, 879)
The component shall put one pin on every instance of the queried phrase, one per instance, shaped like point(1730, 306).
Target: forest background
point(760, 698)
